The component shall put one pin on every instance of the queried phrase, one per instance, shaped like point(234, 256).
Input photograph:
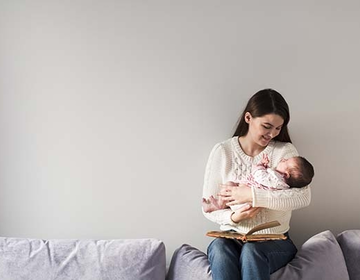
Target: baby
point(295, 172)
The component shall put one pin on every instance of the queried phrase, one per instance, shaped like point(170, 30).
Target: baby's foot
point(211, 204)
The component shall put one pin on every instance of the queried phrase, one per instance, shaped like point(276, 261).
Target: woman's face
point(263, 129)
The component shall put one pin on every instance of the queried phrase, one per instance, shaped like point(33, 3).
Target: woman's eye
point(267, 127)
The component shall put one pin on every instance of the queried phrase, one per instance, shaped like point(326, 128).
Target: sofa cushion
point(349, 241)
point(35, 259)
point(188, 263)
point(320, 257)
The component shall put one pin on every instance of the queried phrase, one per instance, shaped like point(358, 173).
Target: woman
point(262, 129)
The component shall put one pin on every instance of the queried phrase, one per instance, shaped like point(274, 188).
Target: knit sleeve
point(284, 200)
point(217, 163)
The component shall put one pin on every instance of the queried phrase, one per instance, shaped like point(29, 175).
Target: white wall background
point(109, 110)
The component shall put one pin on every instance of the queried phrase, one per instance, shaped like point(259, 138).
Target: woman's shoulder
point(221, 151)
point(284, 148)
point(226, 144)
point(282, 145)
point(224, 147)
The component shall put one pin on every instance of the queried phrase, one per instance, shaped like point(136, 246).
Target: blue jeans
point(230, 259)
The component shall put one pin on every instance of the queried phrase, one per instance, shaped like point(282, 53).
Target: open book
point(250, 236)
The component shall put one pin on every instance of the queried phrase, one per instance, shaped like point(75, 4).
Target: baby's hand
point(265, 160)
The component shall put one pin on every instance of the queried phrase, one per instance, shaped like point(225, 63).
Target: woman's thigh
point(224, 255)
point(231, 259)
point(275, 253)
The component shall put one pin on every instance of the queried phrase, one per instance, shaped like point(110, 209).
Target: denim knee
point(216, 247)
point(250, 252)
point(223, 255)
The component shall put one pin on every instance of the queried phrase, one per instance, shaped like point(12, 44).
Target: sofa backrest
point(36, 259)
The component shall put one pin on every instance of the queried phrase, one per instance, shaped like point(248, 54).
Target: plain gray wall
point(109, 110)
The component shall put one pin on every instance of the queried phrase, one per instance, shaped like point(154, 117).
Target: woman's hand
point(235, 194)
point(245, 212)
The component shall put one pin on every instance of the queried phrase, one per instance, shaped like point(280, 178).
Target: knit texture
point(228, 162)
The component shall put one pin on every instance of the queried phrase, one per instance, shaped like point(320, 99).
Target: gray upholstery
point(349, 241)
point(320, 257)
point(35, 259)
point(189, 263)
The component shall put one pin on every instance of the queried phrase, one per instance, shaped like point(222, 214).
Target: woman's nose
point(273, 133)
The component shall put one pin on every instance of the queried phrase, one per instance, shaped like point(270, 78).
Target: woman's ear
point(247, 117)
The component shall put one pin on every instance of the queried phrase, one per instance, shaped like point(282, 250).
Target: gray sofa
point(36, 259)
point(323, 256)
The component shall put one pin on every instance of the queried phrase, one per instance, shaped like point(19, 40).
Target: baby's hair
point(302, 174)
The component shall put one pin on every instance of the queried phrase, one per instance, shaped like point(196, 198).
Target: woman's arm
point(284, 200)
point(216, 167)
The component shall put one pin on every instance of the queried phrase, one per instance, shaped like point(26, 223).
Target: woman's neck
point(250, 147)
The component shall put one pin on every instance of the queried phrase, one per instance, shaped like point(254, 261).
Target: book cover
point(250, 236)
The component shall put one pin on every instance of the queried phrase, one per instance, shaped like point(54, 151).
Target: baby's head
point(298, 172)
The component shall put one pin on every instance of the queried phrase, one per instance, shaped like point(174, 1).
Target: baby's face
point(286, 164)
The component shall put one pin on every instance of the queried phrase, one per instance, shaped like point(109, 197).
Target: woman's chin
point(264, 142)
